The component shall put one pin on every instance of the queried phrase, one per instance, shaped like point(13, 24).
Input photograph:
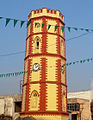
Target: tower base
point(63, 116)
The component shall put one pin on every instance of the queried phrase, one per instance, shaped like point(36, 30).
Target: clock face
point(36, 67)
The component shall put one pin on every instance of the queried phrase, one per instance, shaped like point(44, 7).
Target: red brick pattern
point(44, 36)
point(58, 39)
point(27, 86)
point(59, 91)
point(30, 41)
point(42, 106)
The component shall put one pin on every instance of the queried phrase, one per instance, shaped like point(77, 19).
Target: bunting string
point(62, 68)
point(22, 22)
point(64, 27)
point(15, 21)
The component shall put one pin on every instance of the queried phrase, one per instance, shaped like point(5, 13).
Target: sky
point(77, 14)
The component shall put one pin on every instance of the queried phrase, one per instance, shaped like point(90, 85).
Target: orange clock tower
point(44, 94)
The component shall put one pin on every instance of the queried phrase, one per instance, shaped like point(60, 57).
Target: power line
point(78, 36)
point(21, 52)
point(15, 53)
point(12, 74)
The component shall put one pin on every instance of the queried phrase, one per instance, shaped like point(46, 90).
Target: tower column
point(44, 94)
point(43, 85)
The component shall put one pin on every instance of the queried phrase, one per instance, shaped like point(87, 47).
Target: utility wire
point(15, 53)
point(78, 36)
point(21, 52)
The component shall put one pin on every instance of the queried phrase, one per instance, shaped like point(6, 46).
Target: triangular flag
point(0, 75)
point(70, 63)
point(87, 30)
point(42, 25)
point(13, 74)
point(81, 61)
point(77, 61)
point(84, 61)
point(16, 73)
point(67, 64)
point(69, 29)
point(22, 72)
point(28, 23)
point(56, 27)
point(88, 60)
point(81, 29)
point(75, 29)
point(1, 17)
point(63, 28)
point(15, 22)
point(49, 27)
point(7, 21)
point(22, 22)
point(35, 24)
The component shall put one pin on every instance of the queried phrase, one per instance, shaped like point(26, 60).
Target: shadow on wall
point(26, 118)
point(3, 117)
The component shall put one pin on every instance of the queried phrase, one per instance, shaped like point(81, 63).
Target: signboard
point(1, 106)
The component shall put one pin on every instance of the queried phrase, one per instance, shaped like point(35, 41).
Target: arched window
point(34, 99)
point(37, 42)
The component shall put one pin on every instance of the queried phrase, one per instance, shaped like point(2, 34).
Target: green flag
point(1, 17)
point(42, 25)
point(7, 75)
point(87, 30)
point(75, 29)
point(16, 73)
point(69, 29)
point(62, 28)
point(67, 64)
point(81, 29)
point(22, 22)
point(56, 28)
point(77, 61)
point(88, 60)
point(49, 27)
point(84, 61)
point(0, 75)
point(70, 63)
point(74, 62)
point(7, 21)
point(15, 22)
point(28, 23)
point(81, 61)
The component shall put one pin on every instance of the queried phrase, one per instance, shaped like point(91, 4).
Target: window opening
point(37, 43)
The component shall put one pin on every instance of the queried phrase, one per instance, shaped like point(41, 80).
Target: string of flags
point(15, 21)
point(22, 22)
point(63, 28)
point(62, 68)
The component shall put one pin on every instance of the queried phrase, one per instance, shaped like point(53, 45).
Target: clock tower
point(44, 95)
